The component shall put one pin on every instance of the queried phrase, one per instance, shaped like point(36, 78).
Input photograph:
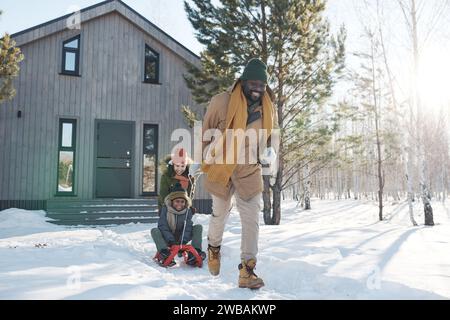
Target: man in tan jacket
point(245, 107)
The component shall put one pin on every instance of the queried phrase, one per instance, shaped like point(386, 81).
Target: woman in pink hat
point(175, 169)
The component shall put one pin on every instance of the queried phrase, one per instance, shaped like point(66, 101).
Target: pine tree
point(293, 39)
point(10, 57)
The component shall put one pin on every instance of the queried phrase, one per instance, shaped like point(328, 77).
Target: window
point(150, 159)
point(66, 156)
point(71, 56)
point(151, 74)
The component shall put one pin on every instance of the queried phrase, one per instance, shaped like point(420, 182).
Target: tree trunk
point(376, 106)
point(277, 187)
point(267, 209)
point(408, 170)
point(276, 218)
point(380, 179)
point(307, 203)
point(307, 185)
point(443, 184)
point(428, 210)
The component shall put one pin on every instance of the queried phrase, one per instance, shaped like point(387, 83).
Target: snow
point(64, 189)
point(337, 250)
point(15, 222)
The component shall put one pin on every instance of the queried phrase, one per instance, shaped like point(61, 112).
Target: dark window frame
point(69, 149)
point(148, 60)
point(155, 153)
point(77, 56)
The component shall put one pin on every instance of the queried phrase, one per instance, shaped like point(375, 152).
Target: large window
point(71, 56)
point(150, 159)
point(151, 74)
point(66, 156)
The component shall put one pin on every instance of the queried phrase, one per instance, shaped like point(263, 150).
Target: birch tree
point(412, 10)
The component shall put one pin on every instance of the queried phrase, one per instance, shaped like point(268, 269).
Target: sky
point(169, 15)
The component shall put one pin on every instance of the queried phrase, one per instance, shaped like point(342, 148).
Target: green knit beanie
point(255, 70)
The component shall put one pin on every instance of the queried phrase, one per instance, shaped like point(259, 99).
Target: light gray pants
point(249, 212)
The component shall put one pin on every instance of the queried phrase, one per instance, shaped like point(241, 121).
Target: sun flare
point(434, 79)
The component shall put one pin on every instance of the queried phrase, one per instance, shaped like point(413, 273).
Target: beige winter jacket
point(246, 178)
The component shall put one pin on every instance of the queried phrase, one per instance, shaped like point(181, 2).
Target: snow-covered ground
point(338, 250)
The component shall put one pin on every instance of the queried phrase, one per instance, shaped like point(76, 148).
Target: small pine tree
point(10, 57)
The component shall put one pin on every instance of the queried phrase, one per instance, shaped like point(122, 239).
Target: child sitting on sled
point(175, 227)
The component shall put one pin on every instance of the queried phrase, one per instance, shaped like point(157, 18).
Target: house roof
point(100, 9)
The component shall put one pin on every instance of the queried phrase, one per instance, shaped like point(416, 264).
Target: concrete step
point(102, 211)
point(100, 215)
point(102, 222)
point(57, 204)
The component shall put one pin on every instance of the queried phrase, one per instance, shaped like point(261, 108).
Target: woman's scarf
point(171, 213)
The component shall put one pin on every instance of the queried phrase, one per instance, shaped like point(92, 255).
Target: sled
point(181, 251)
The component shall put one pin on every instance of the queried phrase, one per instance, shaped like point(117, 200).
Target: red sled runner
point(180, 250)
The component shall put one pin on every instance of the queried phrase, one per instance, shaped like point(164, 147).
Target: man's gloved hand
point(269, 156)
point(193, 210)
point(194, 169)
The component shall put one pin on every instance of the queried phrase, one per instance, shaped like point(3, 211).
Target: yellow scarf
point(236, 119)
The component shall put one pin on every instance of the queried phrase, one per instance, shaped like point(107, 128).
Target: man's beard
point(252, 95)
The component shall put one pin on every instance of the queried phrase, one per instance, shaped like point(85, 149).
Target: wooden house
point(98, 96)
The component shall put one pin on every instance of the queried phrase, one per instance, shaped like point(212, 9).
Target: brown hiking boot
point(214, 260)
point(247, 278)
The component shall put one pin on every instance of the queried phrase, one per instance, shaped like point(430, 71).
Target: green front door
point(114, 159)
